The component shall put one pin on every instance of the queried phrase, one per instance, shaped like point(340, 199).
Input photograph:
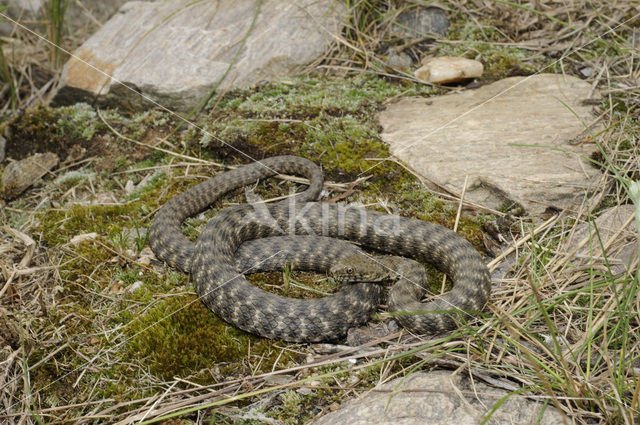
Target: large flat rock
point(481, 133)
point(436, 398)
point(175, 52)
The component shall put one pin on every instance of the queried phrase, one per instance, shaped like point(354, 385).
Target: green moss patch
point(328, 120)
point(59, 226)
point(179, 336)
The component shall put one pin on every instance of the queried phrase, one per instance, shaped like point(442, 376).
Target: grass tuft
point(91, 326)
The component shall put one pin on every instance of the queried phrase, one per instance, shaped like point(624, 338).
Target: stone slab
point(176, 52)
point(517, 139)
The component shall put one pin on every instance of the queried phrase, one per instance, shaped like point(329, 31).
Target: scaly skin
point(216, 270)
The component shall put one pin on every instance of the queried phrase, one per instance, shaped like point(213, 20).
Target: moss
point(18, 215)
point(292, 404)
point(56, 384)
point(308, 97)
point(343, 144)
point(328, 120)
point(156, 181)
point(59, 226)
point(71, 179)
point(78, 121)
point(179, 336)
point(86, 260)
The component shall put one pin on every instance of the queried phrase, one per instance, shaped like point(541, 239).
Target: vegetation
point(91, 324)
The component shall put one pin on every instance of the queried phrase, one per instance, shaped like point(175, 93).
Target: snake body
point(165, 235)
point(224, 290)
point(410, 286)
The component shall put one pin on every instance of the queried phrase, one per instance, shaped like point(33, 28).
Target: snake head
point(357, 268)
point(343, 273)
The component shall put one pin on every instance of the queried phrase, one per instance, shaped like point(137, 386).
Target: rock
point(129, 187)
point(417, 22)
point(88, 13)
point(134, 286)
point(587, 71)
point(19, 175)
point(448, 69)
point(621, 241)
point(91, 13)
point(5, 28)
point(146, 256)
point(24, 10)
point(78, 239)
point(480, 133)
point(398, 60)
point(439, 397)
point(3, 145)
point(176, 52)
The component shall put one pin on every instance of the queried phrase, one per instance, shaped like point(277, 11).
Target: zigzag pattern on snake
point(216, 268)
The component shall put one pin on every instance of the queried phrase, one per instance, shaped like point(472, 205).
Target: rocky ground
point(533, 161)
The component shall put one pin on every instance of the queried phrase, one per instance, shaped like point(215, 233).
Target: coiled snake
point(226, 249)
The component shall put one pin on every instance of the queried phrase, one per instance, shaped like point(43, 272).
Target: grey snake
point(259, 237)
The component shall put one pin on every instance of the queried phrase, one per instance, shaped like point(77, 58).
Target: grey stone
point(5, 29)
point(27, 12)
point(3, 146)
point(481, 134)
point(398, 60)
point(417, 22)
point(587, 71)
point(176, 52)
point(620, 241)
point(19, 175)
point(439, 397)
point(80, 14)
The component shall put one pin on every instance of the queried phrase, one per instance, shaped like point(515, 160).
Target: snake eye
point(349, 270)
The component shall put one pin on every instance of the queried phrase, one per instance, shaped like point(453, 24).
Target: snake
point(410, 285)
point(315, 236)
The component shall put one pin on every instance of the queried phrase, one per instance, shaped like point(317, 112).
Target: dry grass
point(562, 325)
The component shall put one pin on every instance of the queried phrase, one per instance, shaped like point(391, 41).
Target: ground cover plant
point(92, 329)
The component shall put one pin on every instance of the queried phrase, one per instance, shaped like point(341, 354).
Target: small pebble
point(398, 60)
point(135, 285)
point(448, 69)
point(83, 237)
point(587, 71)
point(129, 187)
point(146, 256)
